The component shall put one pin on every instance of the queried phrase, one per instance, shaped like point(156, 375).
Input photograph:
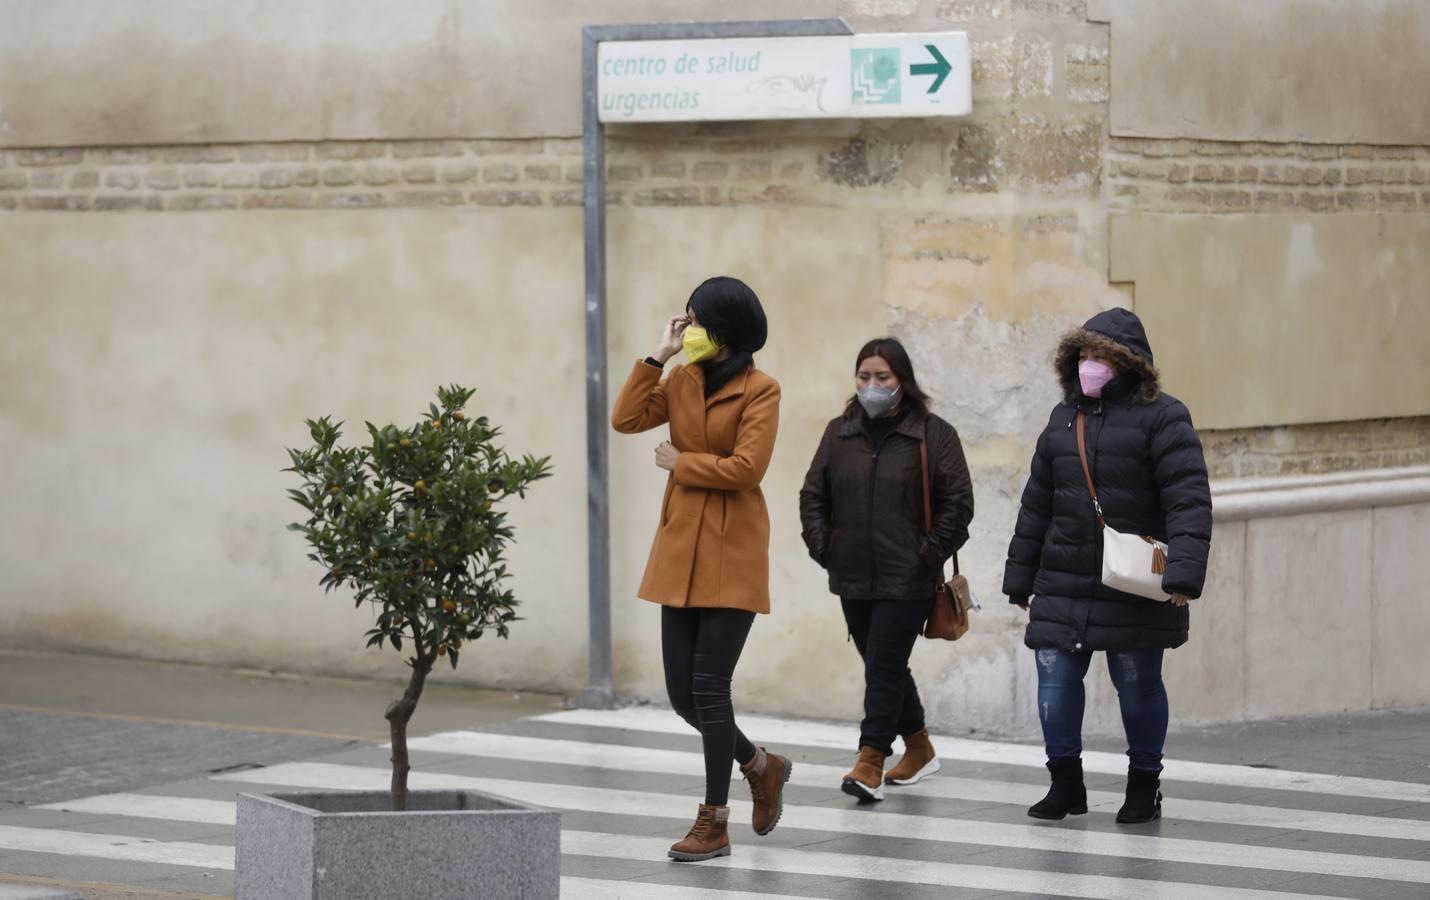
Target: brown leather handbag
point(952, 599)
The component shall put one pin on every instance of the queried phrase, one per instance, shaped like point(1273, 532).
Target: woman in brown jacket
point(709, 565)
point(862, 509)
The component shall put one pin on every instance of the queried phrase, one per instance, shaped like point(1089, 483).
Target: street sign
point(834, 77)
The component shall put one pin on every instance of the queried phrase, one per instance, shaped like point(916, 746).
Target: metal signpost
point(725, 71)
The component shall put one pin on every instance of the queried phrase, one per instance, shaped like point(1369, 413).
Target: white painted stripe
point(748, 857)
point(115, 846)
point(149, 806)
point(908, 871)
point(118, 847)
point(674, 762)
point(767, 729)
point(597, 889)
point(844, 820)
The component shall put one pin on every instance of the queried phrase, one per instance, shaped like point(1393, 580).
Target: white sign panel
point(836, 77)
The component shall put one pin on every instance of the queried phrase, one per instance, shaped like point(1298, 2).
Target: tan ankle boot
point(866, 779)
point(708, 837)
point(767, 790)
point(918, 762)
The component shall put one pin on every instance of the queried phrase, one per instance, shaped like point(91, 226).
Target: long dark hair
point(729, 310)
point(892, 352)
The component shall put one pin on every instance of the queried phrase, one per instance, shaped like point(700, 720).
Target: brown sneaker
point(918, 762)
point(767, 790)
point(866, 779)
point(707, 838)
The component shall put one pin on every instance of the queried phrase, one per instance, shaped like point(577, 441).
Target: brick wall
point(1318, 449)
point(1211, 176)
point(692, 169)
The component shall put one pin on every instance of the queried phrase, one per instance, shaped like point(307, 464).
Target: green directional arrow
point(938, 67)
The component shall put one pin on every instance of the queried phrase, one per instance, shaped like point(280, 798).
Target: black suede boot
point(1068, 794)
point(1144, 799)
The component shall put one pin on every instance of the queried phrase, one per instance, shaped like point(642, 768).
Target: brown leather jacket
point(862, 510)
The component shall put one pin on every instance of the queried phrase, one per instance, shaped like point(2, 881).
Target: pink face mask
point(1094, 376)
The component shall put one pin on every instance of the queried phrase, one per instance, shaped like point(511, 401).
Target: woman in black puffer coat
point(862, 509)
point(1151, 478)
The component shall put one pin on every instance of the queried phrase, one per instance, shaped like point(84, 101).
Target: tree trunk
point(399, 713)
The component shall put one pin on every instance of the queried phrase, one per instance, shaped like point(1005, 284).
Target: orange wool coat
point(712, 547)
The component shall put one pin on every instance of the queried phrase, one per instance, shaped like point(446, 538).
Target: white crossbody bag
point(1131, 563)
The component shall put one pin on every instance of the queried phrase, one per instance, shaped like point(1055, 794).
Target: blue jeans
point(1137, 675)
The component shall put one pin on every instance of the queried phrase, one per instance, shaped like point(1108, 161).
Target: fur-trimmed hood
point(1117, 334)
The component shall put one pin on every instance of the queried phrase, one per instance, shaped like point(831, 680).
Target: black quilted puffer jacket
point(1151, 478)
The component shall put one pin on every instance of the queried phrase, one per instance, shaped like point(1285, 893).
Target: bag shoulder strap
point(928, 493)
point(1087, 472)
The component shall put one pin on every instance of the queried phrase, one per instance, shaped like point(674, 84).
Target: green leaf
point(361, 501)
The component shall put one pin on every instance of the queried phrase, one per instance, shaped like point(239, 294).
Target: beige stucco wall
point(152, 389)
point(156, 369)
point(157, 383)
point(75, 72)
point(1284, 319)
point(164, 328)
point(1326, 71)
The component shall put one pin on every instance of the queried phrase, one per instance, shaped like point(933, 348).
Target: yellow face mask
point(699, 345)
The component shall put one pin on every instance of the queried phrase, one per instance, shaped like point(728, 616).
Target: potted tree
point(411, 524)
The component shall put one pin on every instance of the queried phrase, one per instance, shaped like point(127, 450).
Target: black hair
point(729, 310)
point(892, 352)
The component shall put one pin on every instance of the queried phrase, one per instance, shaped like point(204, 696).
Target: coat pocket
point(686, 502)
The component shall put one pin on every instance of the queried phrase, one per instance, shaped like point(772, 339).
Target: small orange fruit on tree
point(406, 522)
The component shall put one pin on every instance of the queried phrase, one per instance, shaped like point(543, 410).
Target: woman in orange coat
point(709, 565)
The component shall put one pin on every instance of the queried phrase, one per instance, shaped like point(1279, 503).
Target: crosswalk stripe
point(115, 846)
point(763, 859)
point(903, 871)
point(848, 821)
point(815, 734)
point(674, 762)
point(118, 847)
point(152, 806)
point(597, 889)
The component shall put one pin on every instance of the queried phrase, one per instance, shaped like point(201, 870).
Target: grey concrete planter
point(351, 846)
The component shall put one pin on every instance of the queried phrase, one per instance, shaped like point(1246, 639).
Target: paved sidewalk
point(337, 708)
point(1271, 811)
point(73, 725)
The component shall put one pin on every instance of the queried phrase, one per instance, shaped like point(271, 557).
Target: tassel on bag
point(1159, 556)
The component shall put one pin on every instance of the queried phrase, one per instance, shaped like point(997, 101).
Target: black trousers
point(885, 631)
point(701, 648)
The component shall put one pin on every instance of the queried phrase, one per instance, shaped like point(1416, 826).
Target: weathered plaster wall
point(77, 73)
point(155, 369)
point(1324, 71)
point(1284, 319)
point(170, 310)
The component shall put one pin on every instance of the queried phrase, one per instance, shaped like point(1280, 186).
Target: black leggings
point(701, 648)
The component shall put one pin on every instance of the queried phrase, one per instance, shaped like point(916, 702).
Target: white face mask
point(878, 401)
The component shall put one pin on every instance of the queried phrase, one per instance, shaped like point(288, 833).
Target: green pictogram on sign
point(876, 75)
